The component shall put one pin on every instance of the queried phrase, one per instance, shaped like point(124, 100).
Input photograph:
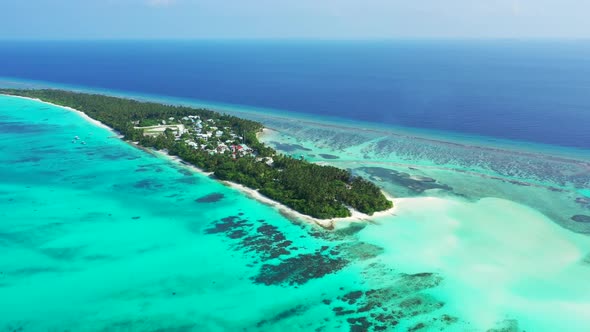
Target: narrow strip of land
point(228, 147)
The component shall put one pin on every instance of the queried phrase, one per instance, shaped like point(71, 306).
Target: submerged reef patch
point(211, 198)
point(390, 145)
point(148, 184)
point(328, 156)
point(583, 201)
point(581, 218)
point(300, 269)
point(188, 180)
point(338, 234)
point(184, 171)
point(117, 156)
point(358, 251)
point(23, 128)
point(416, 184)
point(26, 160)
point(509, 325)
point(288, 147)
point(66, 254)
point(232, 226)
point(382, 309)
point(295, 311)
point(259, 237)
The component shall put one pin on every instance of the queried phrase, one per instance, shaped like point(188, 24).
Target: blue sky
point(339, 19)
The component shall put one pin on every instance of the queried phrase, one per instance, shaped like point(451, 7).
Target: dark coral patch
point(359, 324)
point(188, 180)
point(328, 156)
point(148, 184)
point(268, 242)
point(359, 250)
point(113, 156)
point(337, 235)
point(581, 218)
point(413, 183)
point(381, 309)
point(288, 147)
point(339, 311)
point(63, 253)
point(353, 229)
point(261, 238)
point(417, 327)
point(23, 128)
point(554, 189)
point(299, 270)
point(185, 172)
point(352, 297)
point(27, 160)
point(227, 224)
point(584, 201)
point(211, 198)
point(295, 311)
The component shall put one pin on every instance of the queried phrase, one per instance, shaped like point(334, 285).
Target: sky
point(308, 19)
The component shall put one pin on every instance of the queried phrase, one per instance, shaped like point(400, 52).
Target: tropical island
point(228, 147)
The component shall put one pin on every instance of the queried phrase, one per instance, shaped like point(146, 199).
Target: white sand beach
point(287, 211)
point(326, 223)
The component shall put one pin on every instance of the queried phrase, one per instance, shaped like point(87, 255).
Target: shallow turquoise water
point(105, 236)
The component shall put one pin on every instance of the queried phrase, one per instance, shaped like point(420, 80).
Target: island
point(228, 147)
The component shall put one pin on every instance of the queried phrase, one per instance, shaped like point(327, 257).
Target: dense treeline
point(318, 191)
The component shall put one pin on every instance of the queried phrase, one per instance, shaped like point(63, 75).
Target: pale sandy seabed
point(497, 224)
point(481, 239)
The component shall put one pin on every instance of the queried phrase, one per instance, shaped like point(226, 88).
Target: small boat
point(76, 138)
point(83, 143)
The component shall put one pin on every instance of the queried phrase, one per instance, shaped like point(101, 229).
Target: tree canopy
point(322, 192)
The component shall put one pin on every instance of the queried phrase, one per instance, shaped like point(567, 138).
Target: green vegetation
point(319, 191)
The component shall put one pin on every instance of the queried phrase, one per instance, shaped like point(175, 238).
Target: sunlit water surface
point(105, 236)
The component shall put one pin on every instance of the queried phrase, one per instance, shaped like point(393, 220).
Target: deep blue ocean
point(536, 91)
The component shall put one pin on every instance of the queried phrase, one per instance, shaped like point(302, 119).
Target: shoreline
point(80, 113)
point(249, 192)
point(283, 209)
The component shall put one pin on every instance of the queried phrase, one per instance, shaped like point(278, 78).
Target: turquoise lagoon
point(105, 236)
